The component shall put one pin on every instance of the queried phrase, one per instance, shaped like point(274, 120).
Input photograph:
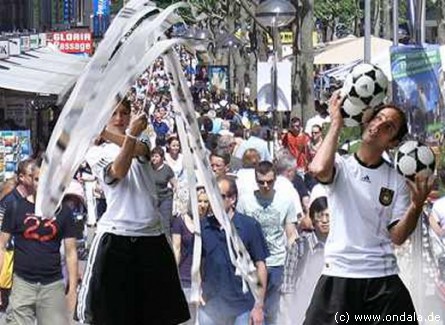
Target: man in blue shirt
point(224, 300)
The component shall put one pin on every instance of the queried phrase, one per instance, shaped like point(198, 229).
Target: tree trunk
point(441, 26)
point(387, 27)
point(376, 16)
point(302, 80)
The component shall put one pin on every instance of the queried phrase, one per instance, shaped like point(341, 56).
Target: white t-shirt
point(131, 201)
point(439, 211)
point(283, 185)
point(246, 181)
point(364, 202)
point(273, 217)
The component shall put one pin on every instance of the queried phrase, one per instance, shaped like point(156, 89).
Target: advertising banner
point(4, 49)
point(14, 46)
point(72, 41)
point(25, 43)
point(42, 39)
point(101, 17)
point(14, 147)
point(33, 41)
point(416, 72)
point(101, 7)
point(67, 10)
point(266, 89)
point(219, 77)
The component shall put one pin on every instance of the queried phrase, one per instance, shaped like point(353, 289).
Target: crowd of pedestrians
point(265, 175)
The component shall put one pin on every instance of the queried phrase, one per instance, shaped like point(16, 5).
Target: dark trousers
point(132, 280)
point(383, 300)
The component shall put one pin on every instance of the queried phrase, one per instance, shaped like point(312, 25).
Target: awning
point(352, 50)
point(42, 70)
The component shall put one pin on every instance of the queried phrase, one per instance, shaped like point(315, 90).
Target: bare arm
point(120, 166)
point(322, 166)
point(291, 233)
point(174, 184)
point(176, 241)
point(73, 271)
point(435, 225)
point(116, 138)
point(257, 314)
point(419, 192)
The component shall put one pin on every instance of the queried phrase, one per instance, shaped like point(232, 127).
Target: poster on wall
point(417, 82)
point(265, 88)
point(15, 146)
point(219, 77)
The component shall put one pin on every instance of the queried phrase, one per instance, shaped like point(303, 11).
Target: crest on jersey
point(386, 196)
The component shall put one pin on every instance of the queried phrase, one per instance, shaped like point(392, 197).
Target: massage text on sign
point(72, 42)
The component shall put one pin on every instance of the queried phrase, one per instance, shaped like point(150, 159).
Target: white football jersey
point(131, 201)
point(364, 203)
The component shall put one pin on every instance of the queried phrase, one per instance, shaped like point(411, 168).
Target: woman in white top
point(175, 159)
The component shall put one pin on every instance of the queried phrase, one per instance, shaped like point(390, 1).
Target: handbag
point(7, 270)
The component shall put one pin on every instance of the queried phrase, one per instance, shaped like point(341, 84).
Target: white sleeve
point(99, 162)
point(402, 200)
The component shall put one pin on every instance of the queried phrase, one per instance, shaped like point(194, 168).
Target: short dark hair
point(318, 205)
point(265, 167)
point(223, 154)
point(127, 103)
point(295, 119)
point(24, 164)
point(158, 150)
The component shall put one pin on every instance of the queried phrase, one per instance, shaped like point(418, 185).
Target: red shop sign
point(72, 41)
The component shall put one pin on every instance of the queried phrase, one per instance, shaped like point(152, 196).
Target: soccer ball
point(414, 157)
point(366, 85)
point(352, 114)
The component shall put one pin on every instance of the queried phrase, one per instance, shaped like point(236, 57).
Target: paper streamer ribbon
point(130, 46)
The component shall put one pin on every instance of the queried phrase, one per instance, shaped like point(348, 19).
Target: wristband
point(128, 134)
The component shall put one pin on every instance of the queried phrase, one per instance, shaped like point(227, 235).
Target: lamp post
point(275, 14)
point(229, 41)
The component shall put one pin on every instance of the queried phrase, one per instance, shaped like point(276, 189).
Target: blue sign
point(100, 25)
point(416, 72)
point(67, 10)
point(101, 7)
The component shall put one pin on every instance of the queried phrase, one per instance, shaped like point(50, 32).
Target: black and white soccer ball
point(365, 86)
point(352, 114)
point(413, 157)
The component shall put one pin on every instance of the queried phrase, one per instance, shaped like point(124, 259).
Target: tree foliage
point(331, 13)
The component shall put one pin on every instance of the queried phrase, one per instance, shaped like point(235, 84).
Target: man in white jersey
point(372, 208)
point(131, 276)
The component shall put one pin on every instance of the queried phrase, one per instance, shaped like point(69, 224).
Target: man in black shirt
point(38, 290)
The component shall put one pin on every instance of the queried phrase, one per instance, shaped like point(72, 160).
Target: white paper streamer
point(182, 99)
point(100, 88)
point(130, 46)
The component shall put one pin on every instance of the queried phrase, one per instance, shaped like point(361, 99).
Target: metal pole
point(367, 58)
point(422, 21)
point(274, 82)
point(395, 22)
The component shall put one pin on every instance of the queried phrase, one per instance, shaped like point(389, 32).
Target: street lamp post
point(229, 41)
point(275, 14)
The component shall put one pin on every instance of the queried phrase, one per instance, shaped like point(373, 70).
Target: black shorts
point(383, 300)
point(131, 280)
